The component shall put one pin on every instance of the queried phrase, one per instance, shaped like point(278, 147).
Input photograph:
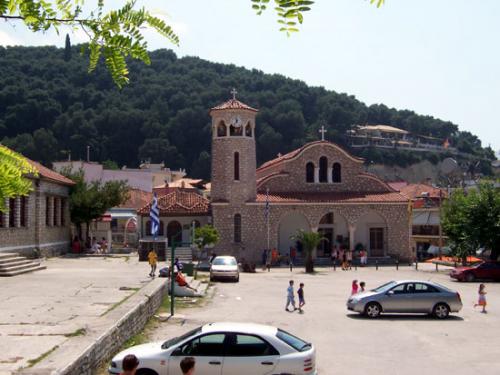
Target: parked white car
point(223, 267)
point(225, 349)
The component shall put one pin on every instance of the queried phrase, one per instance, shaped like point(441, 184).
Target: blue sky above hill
point(438, 58)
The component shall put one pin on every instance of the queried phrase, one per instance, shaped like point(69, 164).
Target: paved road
point(41, 310)
point(348, 344)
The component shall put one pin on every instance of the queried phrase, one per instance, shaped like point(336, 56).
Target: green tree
point(472, 220)
point(67, 49)
point(13, 171)
point(205, 236)
point(309, 241)
point(89, 201)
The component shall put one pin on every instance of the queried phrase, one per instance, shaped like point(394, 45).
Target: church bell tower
point(233, 152)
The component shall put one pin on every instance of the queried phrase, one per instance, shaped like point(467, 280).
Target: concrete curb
point(105, 335)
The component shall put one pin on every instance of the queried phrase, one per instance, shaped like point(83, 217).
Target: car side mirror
point(390, 293)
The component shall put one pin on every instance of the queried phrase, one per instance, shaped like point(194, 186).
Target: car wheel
point(237, 279)
point(470, 277)
point(373, 310)
point(145, 371)
point(441, 311)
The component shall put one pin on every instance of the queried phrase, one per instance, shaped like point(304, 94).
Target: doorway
point(377, 242)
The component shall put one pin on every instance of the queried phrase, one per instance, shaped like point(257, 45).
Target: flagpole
point(267, 216)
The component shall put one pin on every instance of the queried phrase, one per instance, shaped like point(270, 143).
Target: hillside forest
point(50, 106)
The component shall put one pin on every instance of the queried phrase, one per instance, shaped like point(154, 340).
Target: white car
point(224, 267)
point(225, 349)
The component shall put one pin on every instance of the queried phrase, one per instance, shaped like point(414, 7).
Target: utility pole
point(440, 227)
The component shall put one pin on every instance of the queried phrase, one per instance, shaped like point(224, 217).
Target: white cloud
point(8, 40)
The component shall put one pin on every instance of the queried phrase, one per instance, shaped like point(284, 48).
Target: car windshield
point(167, 344)
point(385, 287)
point(224, 262)
point(293, 341)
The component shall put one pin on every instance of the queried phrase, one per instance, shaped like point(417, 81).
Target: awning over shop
point(122, 215)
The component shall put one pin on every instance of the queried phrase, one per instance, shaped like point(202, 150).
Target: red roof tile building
point(318, 187)
point(40, 220)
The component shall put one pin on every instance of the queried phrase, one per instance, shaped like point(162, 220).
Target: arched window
point(323, 169)
point(221, 129)
point(236, 166)
point(336, 173)
point(236, 130)
point(174, 228)
point(248, 130)
point(310, 172)
point(237, 228)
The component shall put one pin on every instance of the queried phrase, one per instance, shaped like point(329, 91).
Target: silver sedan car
point(406, 296)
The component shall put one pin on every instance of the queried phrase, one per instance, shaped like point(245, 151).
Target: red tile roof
point(233, 104)
point(296, 152)
point(397, 185)
point(331, 197)
point(45, 172)
point(49, 174)
point(138, 199)
point(414, 191)
point(180, 202)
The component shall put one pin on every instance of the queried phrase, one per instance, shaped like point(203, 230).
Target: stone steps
point(185, 254)
point(13, 265)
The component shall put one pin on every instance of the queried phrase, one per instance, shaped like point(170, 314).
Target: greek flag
point(266, 210)
point(154, 214)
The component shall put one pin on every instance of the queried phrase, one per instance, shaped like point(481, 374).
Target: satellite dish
point(448, 166)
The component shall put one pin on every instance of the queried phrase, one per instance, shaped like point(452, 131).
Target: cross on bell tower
point(234, 92)
point(322, 131)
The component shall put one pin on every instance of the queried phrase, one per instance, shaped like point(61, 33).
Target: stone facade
point(46, 224)
point(303, 186)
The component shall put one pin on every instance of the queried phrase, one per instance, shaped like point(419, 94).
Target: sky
point(438, 58)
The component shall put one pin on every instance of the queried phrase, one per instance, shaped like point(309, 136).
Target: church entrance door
point(289, 225)
point(377, 242)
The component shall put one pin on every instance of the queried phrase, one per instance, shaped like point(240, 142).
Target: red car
point(485, 270)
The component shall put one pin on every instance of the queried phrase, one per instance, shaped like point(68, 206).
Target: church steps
point(13, 264)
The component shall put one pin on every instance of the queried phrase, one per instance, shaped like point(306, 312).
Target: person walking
point(187, 366)
point(293, 256)
point(290, 299)
point(349, 259)
point(153, 260)
point(302, 301)
point(334, 255)
point(342, 258)
point(354, 287)
point(362, 286)
point(481, 298)
point(268, 260)
point(129, 365)
point(264, 259)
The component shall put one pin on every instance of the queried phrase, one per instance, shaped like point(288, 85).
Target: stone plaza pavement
point(348, 344)
point(43, 310)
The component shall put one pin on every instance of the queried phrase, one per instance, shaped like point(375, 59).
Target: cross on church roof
point(234, 92)
point(322, 131)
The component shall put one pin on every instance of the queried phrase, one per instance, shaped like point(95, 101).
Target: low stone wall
point(114, 338)
point(84, 355)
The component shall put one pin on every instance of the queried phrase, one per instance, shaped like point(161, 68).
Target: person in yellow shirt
point(153, 259)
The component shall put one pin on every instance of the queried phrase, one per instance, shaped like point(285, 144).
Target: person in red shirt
point(181, 281)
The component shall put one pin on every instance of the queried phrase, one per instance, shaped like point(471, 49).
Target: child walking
point(482, 298)
point(362, 286)
point(290, 299)
point(152, 258)
point(300, 293)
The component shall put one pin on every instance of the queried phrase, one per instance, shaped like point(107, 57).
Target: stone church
point(318, 187)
